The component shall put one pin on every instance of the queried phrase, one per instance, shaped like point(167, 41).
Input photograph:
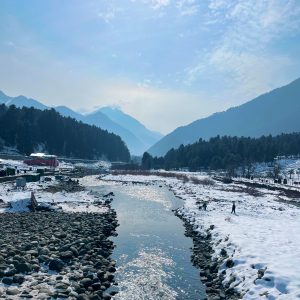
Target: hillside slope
point(146, 136)
point(273, 113)
point(30, 129)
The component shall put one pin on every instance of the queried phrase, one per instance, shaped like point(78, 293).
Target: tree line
point(30, 130)
point(225, 152)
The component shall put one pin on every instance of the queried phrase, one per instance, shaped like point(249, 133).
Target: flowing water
point(152, 253)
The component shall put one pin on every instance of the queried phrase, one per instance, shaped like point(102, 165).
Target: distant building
point(42, 159)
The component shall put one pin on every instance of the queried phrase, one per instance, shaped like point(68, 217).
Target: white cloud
point(188, 7)
point(157, 4)
point(241, 57)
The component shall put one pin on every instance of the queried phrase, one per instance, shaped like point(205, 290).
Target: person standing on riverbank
point(233, 208)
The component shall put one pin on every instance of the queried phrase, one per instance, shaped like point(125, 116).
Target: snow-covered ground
point(16, 200)
point(264, 235)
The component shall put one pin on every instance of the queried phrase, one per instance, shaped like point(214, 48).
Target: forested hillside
point(273, 113)
point(30, 129)
point(226, 152)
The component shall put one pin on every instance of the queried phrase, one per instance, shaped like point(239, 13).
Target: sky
point(165, 62)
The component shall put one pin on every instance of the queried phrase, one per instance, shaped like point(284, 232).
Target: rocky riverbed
point(56, 255)
point(202, 258)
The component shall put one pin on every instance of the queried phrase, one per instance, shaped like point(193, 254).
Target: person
point(233, 207)
point(204, 205)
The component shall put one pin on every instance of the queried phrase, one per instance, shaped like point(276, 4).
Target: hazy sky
point(166, 62)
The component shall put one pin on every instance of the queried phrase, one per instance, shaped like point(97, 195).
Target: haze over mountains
point(136, 136)
point(273, 113)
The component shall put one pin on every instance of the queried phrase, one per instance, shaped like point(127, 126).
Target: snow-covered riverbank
point(263, 239)
point(61, 253)
point(50, 194)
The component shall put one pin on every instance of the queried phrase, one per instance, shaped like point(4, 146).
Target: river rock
point(23, 268)
point(229, 263)
point(56, 265)
point(7, 280)
point(12, 291)
point(86, 282)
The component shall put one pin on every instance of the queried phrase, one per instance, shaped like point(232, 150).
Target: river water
point(152, 253)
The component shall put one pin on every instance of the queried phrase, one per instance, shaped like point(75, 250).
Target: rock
point(86, 282)
point(23, 268)
point(66, 254)
point(56, 265)
point(96, 286)
point(7, 280)
point(112, 269)
point(18, 279)
point(223, 252)
point(33, 253)
point(10, 272)
point(100, 274)
point(229, 263)
point(110, 277)
point(82, 297)
point(44, 251)
point(12, 291)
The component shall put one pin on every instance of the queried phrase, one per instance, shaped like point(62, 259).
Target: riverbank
point(257, 256)
point(62, 250)
point(56, 254)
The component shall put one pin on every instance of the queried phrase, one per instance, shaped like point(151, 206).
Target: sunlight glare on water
point(144, 277)
point(148, 193)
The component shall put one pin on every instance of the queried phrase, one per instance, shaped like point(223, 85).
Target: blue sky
point(166, 62)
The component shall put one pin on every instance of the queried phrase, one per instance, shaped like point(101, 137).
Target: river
point(152, 252)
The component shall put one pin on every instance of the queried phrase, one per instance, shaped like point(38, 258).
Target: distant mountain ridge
point(273, 113)
point(136, 136)
point(145, 135)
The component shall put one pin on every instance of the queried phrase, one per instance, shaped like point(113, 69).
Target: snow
point(265, 233)
point(14, 200)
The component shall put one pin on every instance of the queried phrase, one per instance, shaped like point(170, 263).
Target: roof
point(42, 155)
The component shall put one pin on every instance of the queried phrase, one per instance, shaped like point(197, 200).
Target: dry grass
point(179, 176)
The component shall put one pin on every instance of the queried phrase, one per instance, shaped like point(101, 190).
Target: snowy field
point(16, 200)
point(263, 238)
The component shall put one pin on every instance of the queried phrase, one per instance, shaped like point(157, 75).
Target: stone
point(223, 252)
point(23, 268)
point(12, 291)
point(96, 286)
point(10, 272)
point(66, 254)
point(56, 265)
point(229, 263)
point(18, 279)
point(86, 282)
point(7, 280)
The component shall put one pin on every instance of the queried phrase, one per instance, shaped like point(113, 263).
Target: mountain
point(101, 120)
point(67, 112)
point(136, 136)
point(21, 101)
point(146, 136)
point(273, 113)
